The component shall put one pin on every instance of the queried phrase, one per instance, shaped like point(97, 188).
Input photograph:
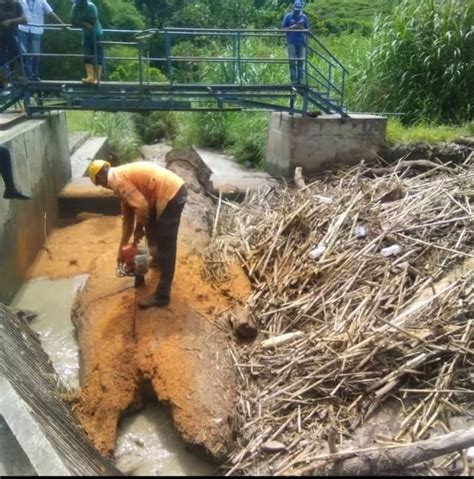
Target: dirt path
point(182, 350)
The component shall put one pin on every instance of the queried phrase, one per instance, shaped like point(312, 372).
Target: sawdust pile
point(365, 281)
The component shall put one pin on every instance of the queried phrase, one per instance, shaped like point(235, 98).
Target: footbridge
point(180, 69)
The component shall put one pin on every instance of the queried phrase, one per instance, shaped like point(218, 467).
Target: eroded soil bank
point(182, 350)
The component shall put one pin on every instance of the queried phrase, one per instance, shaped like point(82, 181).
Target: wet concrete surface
point(13, 461)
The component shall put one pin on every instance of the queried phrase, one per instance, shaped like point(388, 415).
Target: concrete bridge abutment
point(322, 143)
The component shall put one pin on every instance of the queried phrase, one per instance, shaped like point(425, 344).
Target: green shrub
point(242, 134)
point(157, 126)
point(421, 62)
point(124, 142)
point(247, 137)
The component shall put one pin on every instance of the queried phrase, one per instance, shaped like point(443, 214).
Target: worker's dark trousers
point(6, 168)
point(163, 233)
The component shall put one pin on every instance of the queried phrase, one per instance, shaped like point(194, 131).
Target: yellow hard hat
point(95, 167)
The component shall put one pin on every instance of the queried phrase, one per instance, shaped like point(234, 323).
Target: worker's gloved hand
point(139, 233)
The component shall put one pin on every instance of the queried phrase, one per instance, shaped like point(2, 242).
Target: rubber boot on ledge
point(14, 194)
point(90, 75)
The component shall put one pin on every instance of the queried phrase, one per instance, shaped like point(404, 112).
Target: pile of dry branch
point(344, 327)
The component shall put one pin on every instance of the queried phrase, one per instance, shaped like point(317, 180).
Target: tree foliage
point(421, 62)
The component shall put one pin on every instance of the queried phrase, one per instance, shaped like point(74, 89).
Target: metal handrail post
point(343, 88)
point(96, 61)
point(140, 64)
point(330, 80)
point(305, 96)
point(148, 73)
point(234, 54)
point(168, 47)
point(23, 69)
point(105, 73)
point(239, 59)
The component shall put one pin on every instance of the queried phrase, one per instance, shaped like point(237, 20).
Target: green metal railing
point(239, 76)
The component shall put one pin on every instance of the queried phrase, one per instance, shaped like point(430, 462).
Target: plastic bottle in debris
point(470, 455)
point(360, 232)
point(393, 250)
point(317, 252)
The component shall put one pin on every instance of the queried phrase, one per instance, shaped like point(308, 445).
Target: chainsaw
point(135, 263)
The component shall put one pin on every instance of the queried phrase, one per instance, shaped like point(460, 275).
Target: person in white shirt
point(30, 36)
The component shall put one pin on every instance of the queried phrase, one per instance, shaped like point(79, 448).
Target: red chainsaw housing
point(129, 252)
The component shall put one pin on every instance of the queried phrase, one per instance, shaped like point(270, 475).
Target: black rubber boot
point(153, 301)
point(6, 171)
point(14, 194)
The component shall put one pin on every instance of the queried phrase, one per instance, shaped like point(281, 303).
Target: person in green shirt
point(85, 15)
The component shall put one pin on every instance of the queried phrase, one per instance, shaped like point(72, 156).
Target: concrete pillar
point(322, 143)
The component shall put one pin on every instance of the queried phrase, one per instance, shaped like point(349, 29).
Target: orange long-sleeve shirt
point(144, 185)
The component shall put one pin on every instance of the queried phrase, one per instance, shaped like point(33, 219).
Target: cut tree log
point(396, 459)
point(243, 325)
point(401, 166)
point(299, 180)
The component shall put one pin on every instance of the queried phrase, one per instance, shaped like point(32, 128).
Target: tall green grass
point(398, 133)
point(421, 62)
point(124, 141)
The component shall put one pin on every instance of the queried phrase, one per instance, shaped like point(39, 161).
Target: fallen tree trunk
point(299, 180)
point(375, 462)
point(243, 325)
point(401, 166)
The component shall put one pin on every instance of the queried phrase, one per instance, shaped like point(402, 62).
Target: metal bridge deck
point(243, 88)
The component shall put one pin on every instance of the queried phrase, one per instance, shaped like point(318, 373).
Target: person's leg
point(36, 49)
point(25, 41)
point(88, 49)
point(301, 55)
point(292, 54)
point(151, 233)
point(100, 59)
point(6, 171)
point(12, 51)
point(167, 228)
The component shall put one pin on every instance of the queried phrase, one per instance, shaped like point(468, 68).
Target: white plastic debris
point(317, 252)
point(393, 250)
point(360, 232)
point(324, 199)
point(470, 454)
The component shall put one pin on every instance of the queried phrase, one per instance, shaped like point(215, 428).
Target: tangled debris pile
point(364, 284)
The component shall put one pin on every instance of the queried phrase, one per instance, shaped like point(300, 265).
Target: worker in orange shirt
point(155, 197)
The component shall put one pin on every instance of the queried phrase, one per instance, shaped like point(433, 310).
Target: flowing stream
point(146, 443)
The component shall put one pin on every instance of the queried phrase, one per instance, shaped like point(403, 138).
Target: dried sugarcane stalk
point(400, 166)
point(398, 459)
point(371, 327)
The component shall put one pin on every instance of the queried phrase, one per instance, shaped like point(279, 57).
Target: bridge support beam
point(322, 143)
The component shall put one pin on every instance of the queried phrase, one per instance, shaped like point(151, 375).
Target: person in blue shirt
point(296, 20)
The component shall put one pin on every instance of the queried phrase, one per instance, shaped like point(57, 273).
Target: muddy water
point(53, 301)
point(148, 446)
point(146, 441)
